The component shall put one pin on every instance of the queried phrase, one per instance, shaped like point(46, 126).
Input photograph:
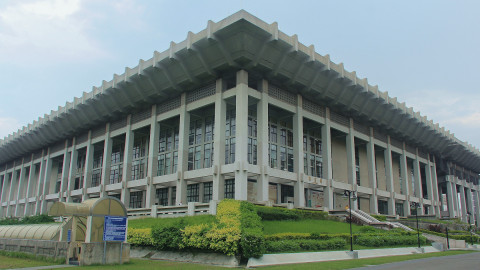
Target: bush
point(305, 245)
point(277, 213)
point(380, 217)
point(140, 237)
point(39, 219)
point(168, 237)
point(367, 229)
point(252, 242)
point(435, 228)
point(388, 240)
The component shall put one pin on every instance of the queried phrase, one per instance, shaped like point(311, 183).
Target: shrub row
point(237, 230)
point(388, 240)
point(39, 219)
point(275, 213)
point(140, 237)
point(463, 236)
point(322, 236)
point(304, 245)
point(380, 217)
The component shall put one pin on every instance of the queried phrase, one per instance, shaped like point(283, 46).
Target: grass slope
point(10, 263)
point(308, 226)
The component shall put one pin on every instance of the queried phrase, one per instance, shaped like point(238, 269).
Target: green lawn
point(151, 222)
point(347, 264)
point(140, 264)
point(308, 226)
point(8, 262)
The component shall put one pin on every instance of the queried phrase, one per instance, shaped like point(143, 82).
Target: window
point(280, 145)
point(167, 150)
point(207, 192)
point(252, 137)
point(230, 129)
point(139, 156)
point(230, 189)
point(97, 168)
point(357, 166)
point(136, 199)
point(174, 196)
point(312, 157)
point(116, 167)
point(193, 193)
point(162, 196)
point(200, 140)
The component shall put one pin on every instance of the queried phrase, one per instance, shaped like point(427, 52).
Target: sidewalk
point(307, 257)
point(44, 267)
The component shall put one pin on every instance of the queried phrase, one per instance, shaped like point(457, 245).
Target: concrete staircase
point(367, 219)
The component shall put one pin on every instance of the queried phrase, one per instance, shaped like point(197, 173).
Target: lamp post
point(470, 227)
point(414, 206)
point(351, 195)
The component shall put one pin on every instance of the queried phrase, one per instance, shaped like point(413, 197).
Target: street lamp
point(415, 206)
point(470, 227)
point(351, 195)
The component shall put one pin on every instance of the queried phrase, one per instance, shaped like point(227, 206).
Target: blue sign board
point(69, 235)
point(115, 228)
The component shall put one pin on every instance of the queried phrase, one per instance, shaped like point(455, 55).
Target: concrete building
point(239, 110)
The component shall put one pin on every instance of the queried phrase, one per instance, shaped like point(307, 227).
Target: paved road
point(463, 261)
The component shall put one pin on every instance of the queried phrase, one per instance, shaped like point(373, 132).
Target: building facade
point(239, 110)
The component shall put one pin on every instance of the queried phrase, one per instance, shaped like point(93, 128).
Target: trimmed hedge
point(305, 245)
point(140, 237)
point(380, 217)
point(275, 213)
point(168, 237)
point(388, 240)
point(39, 219)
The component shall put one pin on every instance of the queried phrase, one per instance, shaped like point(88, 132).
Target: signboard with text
point(115, 228)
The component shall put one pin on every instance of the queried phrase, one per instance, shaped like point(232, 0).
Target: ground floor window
point(207, 192)
point(162, 196)
point(287, 193)
point(399, 209)
point(383, 207)
point(193, 193)
point(136, 199)
point(174, 196)
point(230, 189)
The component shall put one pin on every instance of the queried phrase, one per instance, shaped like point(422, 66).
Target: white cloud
point(44, 31)
point(8, 125)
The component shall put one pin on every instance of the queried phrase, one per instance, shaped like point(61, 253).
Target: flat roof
point(240, 41)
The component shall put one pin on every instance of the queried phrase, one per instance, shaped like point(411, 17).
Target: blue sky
point(426, 53)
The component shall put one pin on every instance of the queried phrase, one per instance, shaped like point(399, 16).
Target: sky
point(426, 53)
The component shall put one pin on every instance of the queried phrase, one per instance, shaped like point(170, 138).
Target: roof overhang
point(241, 41)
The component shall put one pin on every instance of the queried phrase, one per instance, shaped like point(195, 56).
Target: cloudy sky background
point(426, 53)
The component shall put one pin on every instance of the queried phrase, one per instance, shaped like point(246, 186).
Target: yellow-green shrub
point(140, 237)
point(195, 236)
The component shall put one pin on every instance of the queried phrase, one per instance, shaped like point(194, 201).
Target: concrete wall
point(52, 249)
point(339, 159)
point(381, 178)
point(396, 174)
point(93, 253)
point(362, 152)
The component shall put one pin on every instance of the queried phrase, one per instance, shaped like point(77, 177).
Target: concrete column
point(372, 175)
point(65, 173)
point(46, 183)
point(418, 180)
point(127, 162)
point(463, 204)
point(262, 144)
point(72, 170)
point(184, 125)
point(21, 183)
point(350, 145)
point(299, 187)
point(40, 184)
point(455, 197)
point(241, 142)
point(436, 194)
point(87, 176)
point(389, 177)
point(405, 184)
point(107, 161)
point(10, 192)
point(476, 194)
point(219, 142)
point(469, 198)
point(2, 210)
point(89, 227)
point(327, 162)
point(30, 184)
point(152, 157)
point(428, 175)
